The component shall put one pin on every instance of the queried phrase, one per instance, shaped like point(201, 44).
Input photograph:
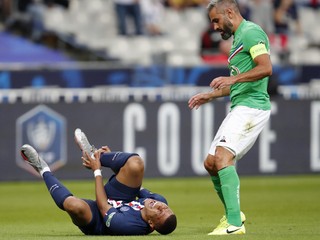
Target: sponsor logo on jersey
point(110, 216)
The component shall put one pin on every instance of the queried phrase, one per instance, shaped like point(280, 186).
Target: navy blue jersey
point(124, 218)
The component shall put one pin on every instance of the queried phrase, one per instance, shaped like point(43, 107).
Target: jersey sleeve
point(255, 41)
point(123, 223)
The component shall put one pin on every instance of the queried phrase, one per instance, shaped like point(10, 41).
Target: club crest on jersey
point(124, 208)
point(234, 71)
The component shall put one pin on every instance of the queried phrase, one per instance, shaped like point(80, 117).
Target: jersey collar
point(239, 29)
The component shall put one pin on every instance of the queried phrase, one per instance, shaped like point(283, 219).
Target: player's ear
point(151, 224)
point(229, 12)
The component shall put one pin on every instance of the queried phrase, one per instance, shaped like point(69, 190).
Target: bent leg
point(115, 160)
point(78, 210)
point(213, 164)
point(211, 169)
point(230, 184)
point(126, 184)
point(128, 167)
point(226, 182)
point(131, 174)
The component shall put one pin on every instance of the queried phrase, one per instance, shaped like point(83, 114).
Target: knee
point(211, 162)
point(208, 164)
point(74, 206)
point(136, 165)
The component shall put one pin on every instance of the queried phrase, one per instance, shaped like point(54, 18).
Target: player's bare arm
point(101, 197)
point(262, 69)
point(201, 98)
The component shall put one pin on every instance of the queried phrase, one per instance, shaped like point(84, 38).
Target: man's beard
point(227, 29)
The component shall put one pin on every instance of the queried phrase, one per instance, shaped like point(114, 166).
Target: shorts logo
point(223, 139)
point(45, 130)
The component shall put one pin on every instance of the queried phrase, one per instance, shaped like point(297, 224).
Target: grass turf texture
point(284, 207)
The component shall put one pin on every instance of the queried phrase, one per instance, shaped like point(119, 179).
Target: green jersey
point(249, 41)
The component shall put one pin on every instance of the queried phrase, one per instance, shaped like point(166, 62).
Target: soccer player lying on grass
point(122, 206)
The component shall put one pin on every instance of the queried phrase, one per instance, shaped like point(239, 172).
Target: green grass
point(285, 207)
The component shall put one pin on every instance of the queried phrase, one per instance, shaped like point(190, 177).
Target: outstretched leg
point(78, 209)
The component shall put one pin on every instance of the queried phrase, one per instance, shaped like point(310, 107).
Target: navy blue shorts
point(96, 226)
point(115, 191)
point(118, 191)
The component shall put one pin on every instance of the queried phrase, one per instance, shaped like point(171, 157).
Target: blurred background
point(123, 71)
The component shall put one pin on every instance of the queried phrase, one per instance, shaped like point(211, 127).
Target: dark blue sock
point(115, 160)
point(58, 192)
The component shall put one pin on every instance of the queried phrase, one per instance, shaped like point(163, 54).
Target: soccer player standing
point(250, 68)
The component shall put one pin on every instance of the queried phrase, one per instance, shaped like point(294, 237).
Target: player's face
point(156, 211)
point(221, 23)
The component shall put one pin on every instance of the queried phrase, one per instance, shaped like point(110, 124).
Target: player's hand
point(92, 163)
point(221, 82)
point(197, 100)
point(104, 149)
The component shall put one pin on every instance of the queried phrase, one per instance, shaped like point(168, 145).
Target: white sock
point(45, 169)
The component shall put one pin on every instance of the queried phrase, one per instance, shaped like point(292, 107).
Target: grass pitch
point(286, 207)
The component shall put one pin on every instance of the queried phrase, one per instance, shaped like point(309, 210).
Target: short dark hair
point(168, 226)
point(215, 3)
